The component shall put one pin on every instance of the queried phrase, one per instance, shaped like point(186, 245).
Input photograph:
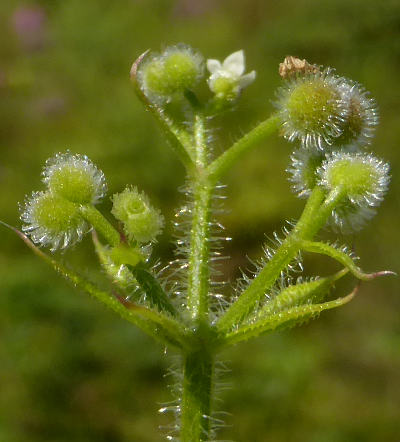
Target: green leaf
point(342, 257)
point(299, 294)
point(152, 288)
point(163, 328)
point(286, 319)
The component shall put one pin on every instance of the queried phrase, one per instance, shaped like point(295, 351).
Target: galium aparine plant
point(329, 119)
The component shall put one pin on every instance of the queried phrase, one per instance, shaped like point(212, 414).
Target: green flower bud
point(142, 222)
point(52, 221)
point(75, 178)
point(177, 69)
point(313, 108)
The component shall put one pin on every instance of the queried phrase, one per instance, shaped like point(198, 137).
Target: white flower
point(227, 79)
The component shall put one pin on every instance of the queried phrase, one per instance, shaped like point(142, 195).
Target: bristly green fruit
point(362, 118)
point(313, 108)
point(303, 170)
point(165, 75)
point(362, 178)
point(75, 178)
point(181, 69)
point(52, 220)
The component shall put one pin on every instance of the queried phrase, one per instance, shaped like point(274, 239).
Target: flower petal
point(213, 65)
point(247, 79)
point(235, 63)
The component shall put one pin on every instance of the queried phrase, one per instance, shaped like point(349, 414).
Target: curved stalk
point(101, 225)
point(225, 161)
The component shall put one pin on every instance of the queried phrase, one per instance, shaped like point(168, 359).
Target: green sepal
point(300, 294)
point(123, 254)
point(281, 320)
point(118, 272)
point(342, 257)
point(163, 328)
point(178, 138)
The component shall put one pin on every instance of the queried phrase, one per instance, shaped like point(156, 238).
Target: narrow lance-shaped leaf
point(155, 293)
point(163, 328)
point(299, 294)
point(286, 319)
point(342, 257)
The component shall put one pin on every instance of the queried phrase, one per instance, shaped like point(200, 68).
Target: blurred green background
point(69, 370)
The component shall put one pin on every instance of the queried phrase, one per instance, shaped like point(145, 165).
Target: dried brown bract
point(293, 65)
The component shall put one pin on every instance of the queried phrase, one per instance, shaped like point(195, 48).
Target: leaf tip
point(135, 65)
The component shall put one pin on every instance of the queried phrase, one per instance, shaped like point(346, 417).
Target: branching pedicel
point(332, 119)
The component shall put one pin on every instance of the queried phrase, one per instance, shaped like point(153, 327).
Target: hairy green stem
point(225, 161)
point(196, 397)
point(198, 273)
point(101, 225)
point(315, 214)
point(198, 365)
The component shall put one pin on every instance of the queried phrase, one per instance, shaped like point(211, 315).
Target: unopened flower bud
point(52, 221)
point(141, 221)
point(75, 178)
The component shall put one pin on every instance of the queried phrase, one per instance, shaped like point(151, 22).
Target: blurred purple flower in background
point(29, 25)
point(49, 106)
